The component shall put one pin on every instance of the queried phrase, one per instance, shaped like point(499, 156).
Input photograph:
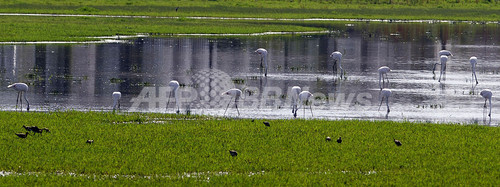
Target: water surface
point(83, 76)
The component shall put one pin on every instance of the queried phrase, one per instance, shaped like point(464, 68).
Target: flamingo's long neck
point(380, 79)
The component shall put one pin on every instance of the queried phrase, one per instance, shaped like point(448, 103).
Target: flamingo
point(486, 93)
point(116, 100)
point(263, 58)
point(337, 57)
point(444, 52)
point(20, 88)
point(304, 99)
point(443, 59)
point(473, 62)
point(236, 93)
point(295, 99)
point(385, 93)
point(381, 72)
point(175, 89)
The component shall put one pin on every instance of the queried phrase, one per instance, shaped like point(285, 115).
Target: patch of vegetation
point(149, 148)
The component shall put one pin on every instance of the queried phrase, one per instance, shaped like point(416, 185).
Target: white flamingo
point(486, 93)
point(20, 88)
point(337, 57)
point(236, 94)
point(385, 93)
point(116, 100)
point(473, 63)
point(381, 72)
point(443, 59)
point(175, 89)
point(444, 52)
point(295, 99)
point(304, 100)
point(263, 59)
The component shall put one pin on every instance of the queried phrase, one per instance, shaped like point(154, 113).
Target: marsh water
point(83, 76)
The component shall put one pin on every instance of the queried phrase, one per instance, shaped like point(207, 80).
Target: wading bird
point(444, 52)
point(473, 62)
point(22, 135)
point(381, 72)
point(486, 93)
point(174, 85)
point(397, 142)
point(263, 59)
point(304, 100)
point(295, 99)
point(236, 94)
point(337, 57)
point(443, 60)
point(385, 93)
point(20, 88)
point(116, 100)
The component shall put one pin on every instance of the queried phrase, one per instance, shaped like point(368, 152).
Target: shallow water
point(83, 76)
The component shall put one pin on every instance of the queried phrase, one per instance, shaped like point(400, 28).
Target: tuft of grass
point(147, 148)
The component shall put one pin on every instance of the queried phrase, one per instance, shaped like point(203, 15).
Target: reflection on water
point(83, 76)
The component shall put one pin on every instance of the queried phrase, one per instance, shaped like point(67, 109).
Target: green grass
point(28, 28)
point(141, 149)
point(22, 28)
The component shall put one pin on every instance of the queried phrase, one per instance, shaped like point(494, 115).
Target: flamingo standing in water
point(443, 60)
point(444, 52)
point(116, 100)
point(20, 88)
point(304, 99)
point(175, 89)
point(473, 62)
point(263, 58)
point(236, 94)
point(486, 93)
point(381, 72)
point(337, 57)
point(385, 93)
point(295, 99)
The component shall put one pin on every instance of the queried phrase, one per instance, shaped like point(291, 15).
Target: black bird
point(176, 9)
point(35, 130)
point(28, 128)
point(397, 142)
point(22, 135)
point(90, 141)
point(339, 140)
point(46, 130)
point(267, 123)
point(328, 138)
point(233, 153)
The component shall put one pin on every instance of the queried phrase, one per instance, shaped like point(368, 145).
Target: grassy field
point(142, 149)
point(23, 28)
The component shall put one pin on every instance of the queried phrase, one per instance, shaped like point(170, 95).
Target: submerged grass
point(139, 148)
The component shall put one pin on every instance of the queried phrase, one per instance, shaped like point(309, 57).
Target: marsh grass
point(140, 148)
point(22, 28)
point(28, 28)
